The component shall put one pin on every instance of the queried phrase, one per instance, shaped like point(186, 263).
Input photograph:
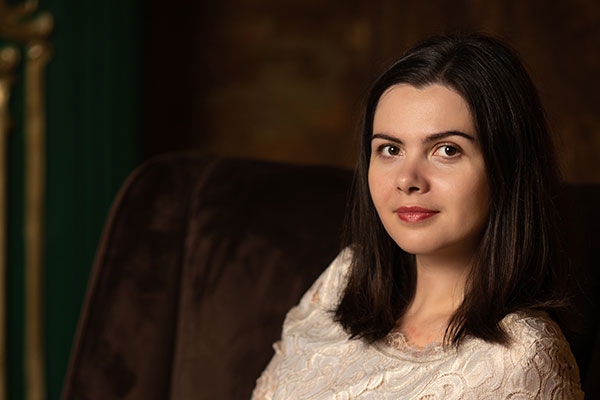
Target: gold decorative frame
point(9, 58)
point(21, 25)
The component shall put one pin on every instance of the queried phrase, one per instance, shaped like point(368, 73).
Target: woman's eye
point(447, 151)
point(389, 150)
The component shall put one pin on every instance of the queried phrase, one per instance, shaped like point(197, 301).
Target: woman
point(452, 267)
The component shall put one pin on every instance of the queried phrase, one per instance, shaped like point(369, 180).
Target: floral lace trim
point(396, 344)
point(397, 341)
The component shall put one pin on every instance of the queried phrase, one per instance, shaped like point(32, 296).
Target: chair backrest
point(199, 262)
point(201, 258)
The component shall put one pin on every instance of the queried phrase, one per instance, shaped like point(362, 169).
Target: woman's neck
point(439, 292)
point(440, 283)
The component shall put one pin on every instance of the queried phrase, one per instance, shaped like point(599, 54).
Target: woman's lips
point(415, 214)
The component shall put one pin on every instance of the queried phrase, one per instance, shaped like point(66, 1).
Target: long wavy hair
point(519, 264)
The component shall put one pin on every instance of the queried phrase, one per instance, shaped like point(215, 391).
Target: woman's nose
point(410, 177)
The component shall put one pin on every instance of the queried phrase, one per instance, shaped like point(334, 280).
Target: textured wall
point(285, 80)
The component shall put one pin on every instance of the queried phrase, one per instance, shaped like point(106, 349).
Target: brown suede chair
point(201, 258)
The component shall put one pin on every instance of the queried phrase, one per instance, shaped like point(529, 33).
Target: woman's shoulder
point(538, 341)
point(329, 286)
point(527, 328)
point(540, 357)
point(325, 292)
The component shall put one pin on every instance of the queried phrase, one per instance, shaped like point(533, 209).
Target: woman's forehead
point(404, 109)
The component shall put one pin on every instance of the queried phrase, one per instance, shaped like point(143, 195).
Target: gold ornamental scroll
point(9, 58)
point(21, 24)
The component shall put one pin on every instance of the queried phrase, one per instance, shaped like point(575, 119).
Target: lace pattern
point(316, 360)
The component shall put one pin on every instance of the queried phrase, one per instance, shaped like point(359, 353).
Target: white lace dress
point(315, 359)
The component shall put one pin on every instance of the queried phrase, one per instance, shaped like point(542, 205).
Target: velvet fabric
point(201, 257)
point(200, 260)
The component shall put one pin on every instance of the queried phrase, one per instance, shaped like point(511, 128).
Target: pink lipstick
point(414, 214)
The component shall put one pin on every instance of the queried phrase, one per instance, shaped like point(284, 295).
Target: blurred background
point(120, 82)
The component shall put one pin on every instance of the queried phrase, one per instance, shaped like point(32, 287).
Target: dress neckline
point(396, 346)
point(396, 341)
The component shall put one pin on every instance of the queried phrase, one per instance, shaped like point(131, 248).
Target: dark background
point(285, 80)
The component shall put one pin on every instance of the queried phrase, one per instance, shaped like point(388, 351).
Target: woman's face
point(426, 173)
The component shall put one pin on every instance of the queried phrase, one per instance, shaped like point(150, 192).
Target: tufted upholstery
point(201, 257)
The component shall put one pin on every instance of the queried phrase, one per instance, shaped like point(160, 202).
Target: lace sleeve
point(265, 385)
point(545, 370)
point(323, 294)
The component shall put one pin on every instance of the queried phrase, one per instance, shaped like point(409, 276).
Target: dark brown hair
point(518, 264)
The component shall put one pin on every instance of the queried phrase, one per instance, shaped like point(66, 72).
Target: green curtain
point(93, 143)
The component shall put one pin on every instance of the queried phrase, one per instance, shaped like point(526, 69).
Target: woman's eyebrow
point(443, 135)
point(430, 138)
point(389, 138)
